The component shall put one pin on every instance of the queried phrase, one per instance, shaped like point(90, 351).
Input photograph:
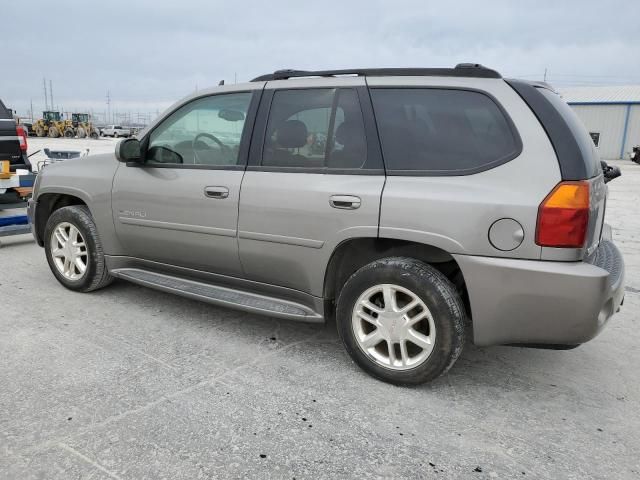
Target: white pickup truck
point(115, 131)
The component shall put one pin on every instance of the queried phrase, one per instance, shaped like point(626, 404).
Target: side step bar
point(222, 296)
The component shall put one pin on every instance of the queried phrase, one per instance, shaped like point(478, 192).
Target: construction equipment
point(52, 124)
point(82, 126)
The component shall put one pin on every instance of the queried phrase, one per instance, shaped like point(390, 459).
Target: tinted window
point(206, 131)
point(315, 128)
point(585, 143)
point(438, 131)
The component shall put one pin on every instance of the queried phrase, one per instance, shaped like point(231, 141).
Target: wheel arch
point(350, 255)
point(49, 203)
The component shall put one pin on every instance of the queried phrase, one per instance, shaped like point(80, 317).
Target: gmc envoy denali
point(418, 206)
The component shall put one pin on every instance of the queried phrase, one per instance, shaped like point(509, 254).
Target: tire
point(53, 132)
point(94, 135)
point(39, 132)
point(115, 134)
point(81, 132)
point(69, 133)
point(95, 275)
point(443, 321)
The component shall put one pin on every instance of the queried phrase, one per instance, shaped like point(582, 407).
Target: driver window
point(206, 131)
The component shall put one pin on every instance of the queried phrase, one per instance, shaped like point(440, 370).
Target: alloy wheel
point(69, 251)
point(393, 327)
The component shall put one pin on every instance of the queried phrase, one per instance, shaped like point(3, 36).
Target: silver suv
point(418, 206)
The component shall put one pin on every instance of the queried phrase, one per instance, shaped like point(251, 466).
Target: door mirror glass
point(128, 150)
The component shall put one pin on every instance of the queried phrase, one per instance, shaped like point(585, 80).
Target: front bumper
point(540, 302)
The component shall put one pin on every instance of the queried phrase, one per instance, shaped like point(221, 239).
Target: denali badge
point(133, 213)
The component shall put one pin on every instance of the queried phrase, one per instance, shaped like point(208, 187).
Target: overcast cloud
point(148, 53)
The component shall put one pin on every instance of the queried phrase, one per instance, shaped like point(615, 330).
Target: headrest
point(349, 132)
point(292, 134)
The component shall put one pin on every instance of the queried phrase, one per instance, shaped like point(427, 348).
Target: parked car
point(115, 131)
point(27, 125)
point(445, 204)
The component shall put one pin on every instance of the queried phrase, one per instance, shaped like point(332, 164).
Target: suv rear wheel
point(74, 251)
point(401, 320)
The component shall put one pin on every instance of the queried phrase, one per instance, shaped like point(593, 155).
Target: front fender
point(88, 179)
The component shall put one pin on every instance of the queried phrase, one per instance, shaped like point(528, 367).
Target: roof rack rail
point(460, 70)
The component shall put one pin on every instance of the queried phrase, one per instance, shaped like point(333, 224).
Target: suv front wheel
point(401, 320)
point(74, 251)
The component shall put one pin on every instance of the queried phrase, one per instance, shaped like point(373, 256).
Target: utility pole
point(31, 111)
point(46, 101)
point(235, 77)
point(50, 93)
point(108, 106)
point(545, 74)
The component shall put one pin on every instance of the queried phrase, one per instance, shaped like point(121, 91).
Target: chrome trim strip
point(181, 227)
point(268, 237)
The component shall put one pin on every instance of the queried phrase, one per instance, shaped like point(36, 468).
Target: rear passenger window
point(442, 132)
point(315, 129)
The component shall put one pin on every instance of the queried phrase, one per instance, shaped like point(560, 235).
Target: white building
point(611, 115)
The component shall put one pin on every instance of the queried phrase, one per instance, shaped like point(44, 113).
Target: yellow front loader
point(51, 124)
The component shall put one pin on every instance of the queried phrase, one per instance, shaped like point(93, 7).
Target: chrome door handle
point(345, 202)
point(216, 192)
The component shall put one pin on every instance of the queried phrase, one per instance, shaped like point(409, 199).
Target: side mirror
point(128, 150)
point(610, 172)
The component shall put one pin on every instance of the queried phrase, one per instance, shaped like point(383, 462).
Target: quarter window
point(315, 129)
point(206, 131)
point(442, 132)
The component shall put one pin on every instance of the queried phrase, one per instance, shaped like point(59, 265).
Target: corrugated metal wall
point(608, 120)
point(633, 130)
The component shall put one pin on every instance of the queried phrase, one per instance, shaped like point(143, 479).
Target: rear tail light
point(563, 216)
point(22, 137)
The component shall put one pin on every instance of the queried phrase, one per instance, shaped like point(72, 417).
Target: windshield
point(51, 116)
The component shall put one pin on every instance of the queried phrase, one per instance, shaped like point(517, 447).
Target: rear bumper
point(537, 302)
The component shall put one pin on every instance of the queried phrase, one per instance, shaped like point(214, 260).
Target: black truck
point(13, 141)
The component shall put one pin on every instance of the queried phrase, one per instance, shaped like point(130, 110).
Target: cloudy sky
point(149, 53)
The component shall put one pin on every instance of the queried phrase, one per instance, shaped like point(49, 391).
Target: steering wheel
point(225, 149)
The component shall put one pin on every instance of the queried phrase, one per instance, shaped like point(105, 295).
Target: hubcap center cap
point(392, 324)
